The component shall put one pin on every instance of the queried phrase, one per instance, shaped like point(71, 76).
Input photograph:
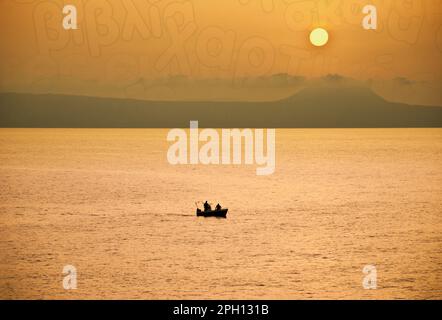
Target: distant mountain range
point(313, 107)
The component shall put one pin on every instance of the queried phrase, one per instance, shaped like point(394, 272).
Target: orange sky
point(120, 42)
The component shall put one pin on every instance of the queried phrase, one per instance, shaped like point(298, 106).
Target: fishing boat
point(219, 211)
point(222, 213)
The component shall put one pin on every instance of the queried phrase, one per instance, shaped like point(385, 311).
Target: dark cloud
point(334, 78)
point(403, 81)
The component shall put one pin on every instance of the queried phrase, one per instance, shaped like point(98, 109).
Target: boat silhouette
point(221, 213)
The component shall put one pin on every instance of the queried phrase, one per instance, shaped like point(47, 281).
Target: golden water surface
point(108, 202)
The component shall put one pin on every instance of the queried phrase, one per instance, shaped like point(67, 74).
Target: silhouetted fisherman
point(207, 206)
point(218, 207)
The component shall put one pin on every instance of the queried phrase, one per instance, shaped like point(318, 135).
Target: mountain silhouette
point(312, 107)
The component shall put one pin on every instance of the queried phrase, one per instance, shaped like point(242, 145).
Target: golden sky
point(122, 47)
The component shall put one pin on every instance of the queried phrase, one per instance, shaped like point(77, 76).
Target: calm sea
point(107, 202)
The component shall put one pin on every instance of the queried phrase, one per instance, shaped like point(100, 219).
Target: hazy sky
point(131, 48)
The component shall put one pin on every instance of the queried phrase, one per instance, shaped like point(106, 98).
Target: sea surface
point(108, 202)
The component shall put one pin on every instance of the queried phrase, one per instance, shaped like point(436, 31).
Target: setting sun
point(319, 37)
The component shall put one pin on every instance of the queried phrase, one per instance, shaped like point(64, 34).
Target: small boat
point(222, 213)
